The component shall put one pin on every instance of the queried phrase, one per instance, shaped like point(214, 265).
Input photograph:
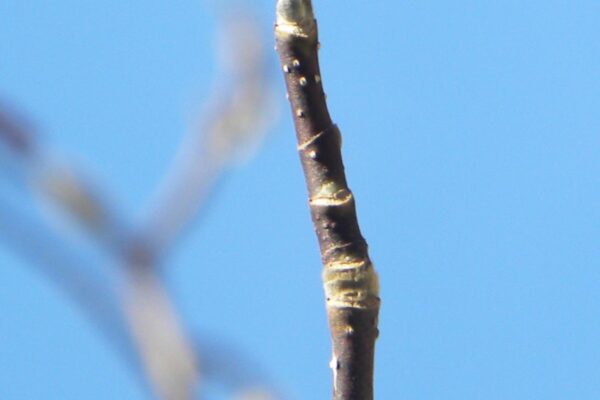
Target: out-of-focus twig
point(146, 320)
point(57, 182)
point(234, 122)
point(141, 327)
point(168, 357)
point(129, 323)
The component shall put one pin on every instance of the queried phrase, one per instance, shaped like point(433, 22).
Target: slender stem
point(235, 118)
point(350, 282)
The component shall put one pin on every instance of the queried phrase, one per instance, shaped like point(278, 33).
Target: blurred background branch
point(125, 296)
point(234, 122)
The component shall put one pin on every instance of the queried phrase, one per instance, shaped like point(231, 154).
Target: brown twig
point(350, 282)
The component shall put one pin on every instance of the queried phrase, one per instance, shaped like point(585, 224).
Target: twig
point(236, 118)
point(350, 282)
point(94, 295)
point(153, 334)
point(169, 358)
point(146, 315)
point(143, 323)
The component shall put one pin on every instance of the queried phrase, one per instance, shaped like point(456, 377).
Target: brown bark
point(349, 279)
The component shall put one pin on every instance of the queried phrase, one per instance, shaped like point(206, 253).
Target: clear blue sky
point(472, 143)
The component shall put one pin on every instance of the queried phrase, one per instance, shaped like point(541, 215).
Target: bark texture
point(350, 282)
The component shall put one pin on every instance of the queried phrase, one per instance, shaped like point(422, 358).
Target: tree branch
point(235, 119)
point(154, 333)
point(350, 282)
point(143, 322)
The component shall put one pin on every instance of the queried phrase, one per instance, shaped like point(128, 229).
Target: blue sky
point(471, 141)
